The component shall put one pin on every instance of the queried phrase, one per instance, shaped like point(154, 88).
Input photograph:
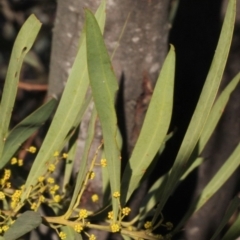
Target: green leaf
point(70, 105)
point(230, 211)
point(204, 105)
point(71, 234)
point(25, 223)
point(154, 128)
point(104, 85)
point(22, 45)
point(220, 177)
point(84, 161)
point(234, 231)
point(25, 129)
point(69, 162)
point(216, 111)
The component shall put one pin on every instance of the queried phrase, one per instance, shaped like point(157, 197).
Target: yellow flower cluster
point(126, 211)
point(78, 228)
point(62, 235)
point(32, 149)
point(83, 213)
point(110, 215)
point(103, 162)
point(51, 167)
point(115, 227)
point(92, 237)
point(148, 225)
point(15, 198)
point(92, 175)
point(95, 198)
point(116, 194)
point(16, 161)
point(2, 195)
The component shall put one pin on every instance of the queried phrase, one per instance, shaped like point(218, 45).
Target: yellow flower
point(8, 184)
point(92, 175)
point(148, 225)
point(92, 237)
point(110, 215)
point(7, 174)
point(50, 180)
point(20, 162)
point(56, 154)
point(51, 168)
point(5, 228)
point(62, 235)
point(115, 228)
point(41, 178)
point(41, 198)
point(95, 198)
point(126, 211)
point(83, 213)
point(32, 149)
point(116, 194)
point(103, 162)
point(2, 195)
point(57, 198)
point(13, 161)
point(34, 206)
point(78, 228)
point(65, 155)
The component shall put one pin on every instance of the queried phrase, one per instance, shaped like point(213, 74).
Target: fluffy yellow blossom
point(92, 175)
point(41, 198)
point(51, 168)
point(115, 228)
point(95, 198)
point(50, 180)
point(7, 174)
point(57, 198)
point(65, 155)
point(110, 215)
point(78, 228)
point(148, 225)
point(5, 228)
point(8, 184)
point(92, 237)
point(103, 162)
point(62, 235)
point(2, 195)
point(126, 211)
point(116, 194)
point(32, 149)
point(41, 178)
point(56, 154)
point(13, 161)
point(34, 206)
point(20, 162)
point(83, 213)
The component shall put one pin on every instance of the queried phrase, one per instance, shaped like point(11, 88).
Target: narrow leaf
point(27, 221)
point(154, 129)
point(25, 129)
point(234, 231)
point(230, 211)
point(104, 86)
point(22, 45)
